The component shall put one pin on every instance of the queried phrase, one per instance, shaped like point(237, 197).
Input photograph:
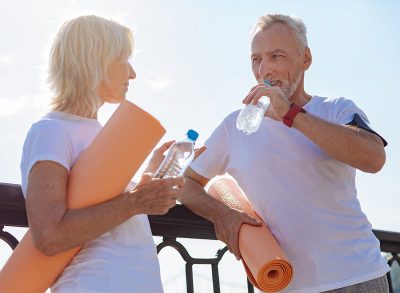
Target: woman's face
point(119, 73)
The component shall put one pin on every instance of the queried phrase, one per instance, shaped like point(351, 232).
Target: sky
point(192, 60)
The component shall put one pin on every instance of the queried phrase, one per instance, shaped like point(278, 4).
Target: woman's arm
point(56, 228)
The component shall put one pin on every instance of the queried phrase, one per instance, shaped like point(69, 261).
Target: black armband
point(359, 122)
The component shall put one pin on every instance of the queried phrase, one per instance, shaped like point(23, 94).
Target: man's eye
point(255, 60)
point(276, 56)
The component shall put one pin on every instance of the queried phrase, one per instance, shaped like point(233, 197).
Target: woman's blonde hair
point(79, 58)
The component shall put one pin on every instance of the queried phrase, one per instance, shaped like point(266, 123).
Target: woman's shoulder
point(48, 128)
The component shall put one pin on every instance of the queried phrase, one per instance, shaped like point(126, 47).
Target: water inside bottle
point(251, 116)
point(176, 161)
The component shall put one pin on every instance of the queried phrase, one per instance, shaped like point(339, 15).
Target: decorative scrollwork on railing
point(394, 258)
point(190, 261)
point(8, 238)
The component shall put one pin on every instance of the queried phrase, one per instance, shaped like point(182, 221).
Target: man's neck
point(300, 97)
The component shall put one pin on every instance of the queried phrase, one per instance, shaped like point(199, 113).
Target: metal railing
point(179, 222)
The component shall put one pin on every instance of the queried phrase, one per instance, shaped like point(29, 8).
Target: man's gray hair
point(294, 23)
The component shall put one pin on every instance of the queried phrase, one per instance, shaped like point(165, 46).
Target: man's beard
point(288, 88)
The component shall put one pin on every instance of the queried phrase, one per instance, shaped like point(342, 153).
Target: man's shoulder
point(232, 116)
point(330, 101)
point(229, 120)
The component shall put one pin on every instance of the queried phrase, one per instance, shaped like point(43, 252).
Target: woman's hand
point(155, 196)
point(158, 157)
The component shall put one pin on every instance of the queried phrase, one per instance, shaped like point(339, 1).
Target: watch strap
point(291, 114)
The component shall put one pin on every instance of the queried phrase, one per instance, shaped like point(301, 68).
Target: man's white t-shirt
point(121, 260)
point(307, 198)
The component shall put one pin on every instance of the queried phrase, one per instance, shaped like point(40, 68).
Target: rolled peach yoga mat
point(266, 265)
point(101, 172)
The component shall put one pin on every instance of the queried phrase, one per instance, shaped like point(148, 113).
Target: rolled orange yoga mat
point(266, 265)
point(102, 172)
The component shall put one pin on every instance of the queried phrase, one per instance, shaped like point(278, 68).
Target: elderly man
point(298, 170)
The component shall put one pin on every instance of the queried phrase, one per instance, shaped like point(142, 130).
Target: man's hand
point(279, 103)
point(227, 226)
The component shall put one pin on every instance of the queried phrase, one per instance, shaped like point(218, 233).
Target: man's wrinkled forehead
point(274, 38)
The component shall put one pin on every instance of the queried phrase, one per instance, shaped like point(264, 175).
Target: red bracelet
point(291, 114)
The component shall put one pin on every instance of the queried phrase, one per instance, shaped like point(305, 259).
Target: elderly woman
point(88, 67)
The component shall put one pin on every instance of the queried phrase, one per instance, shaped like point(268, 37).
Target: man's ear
point(307, 58)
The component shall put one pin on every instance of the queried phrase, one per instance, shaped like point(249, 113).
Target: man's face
point(276, 56)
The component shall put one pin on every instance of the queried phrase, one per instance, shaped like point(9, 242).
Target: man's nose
point(265, 70)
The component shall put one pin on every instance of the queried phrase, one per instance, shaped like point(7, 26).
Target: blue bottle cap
point(191, 134)
point(267, 82)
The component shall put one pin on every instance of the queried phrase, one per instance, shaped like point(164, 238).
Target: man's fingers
point(251, 91)
point(234, 246)
point(258, 92)
point(198, 152)
point(252, 221)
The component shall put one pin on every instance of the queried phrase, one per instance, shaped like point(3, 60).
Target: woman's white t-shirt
point(307, 198)
point(121, 260)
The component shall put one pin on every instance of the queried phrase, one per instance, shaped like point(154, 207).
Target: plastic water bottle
point(179, 156)
point(251, 116)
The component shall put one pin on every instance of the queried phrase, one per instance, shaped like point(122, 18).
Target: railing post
point(250, 287)
point(189, 278)
point(215, 278)
point(389, 278)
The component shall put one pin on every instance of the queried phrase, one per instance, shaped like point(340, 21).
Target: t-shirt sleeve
point(349, 114)
point(346, 110)
point(213, 161)
point(47, 142)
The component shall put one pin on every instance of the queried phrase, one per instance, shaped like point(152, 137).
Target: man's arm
point(351, 145)
point(226, 221)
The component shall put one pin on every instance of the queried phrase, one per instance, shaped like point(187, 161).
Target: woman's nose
point(132, 73)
